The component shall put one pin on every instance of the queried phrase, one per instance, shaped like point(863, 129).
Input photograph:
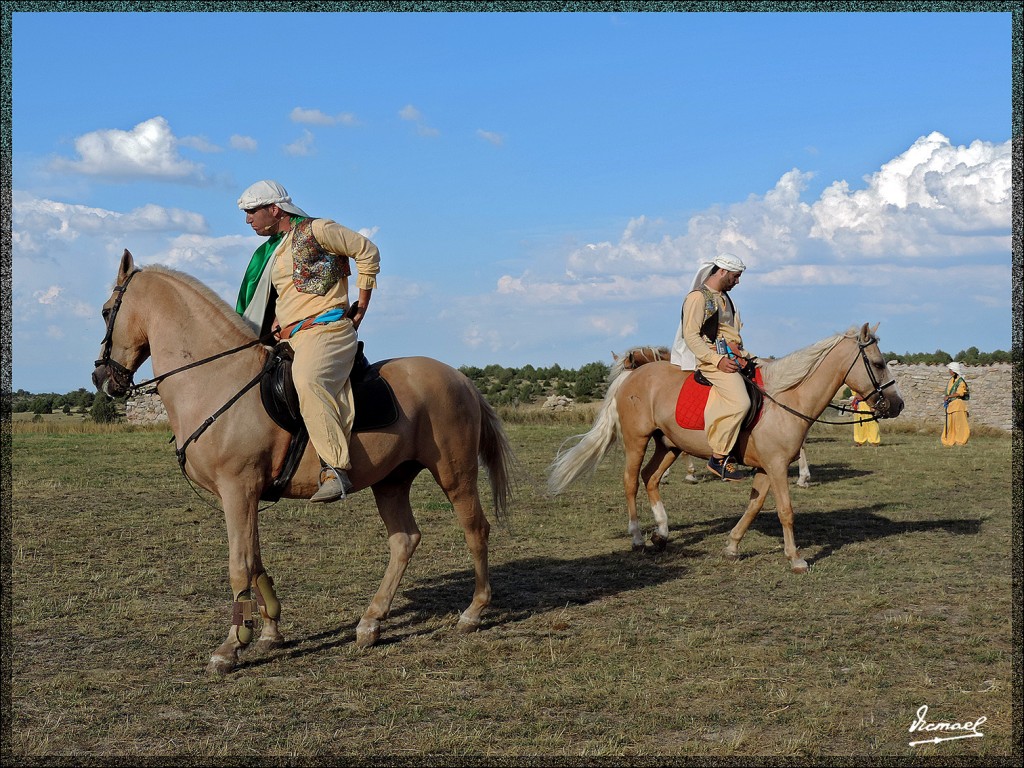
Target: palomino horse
point(640, 405)
point(444, 425)
point(634, 358)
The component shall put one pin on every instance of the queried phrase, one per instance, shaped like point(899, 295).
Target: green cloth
point(259, 260)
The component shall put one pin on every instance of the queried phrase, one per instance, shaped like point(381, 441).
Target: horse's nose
point(97, 378)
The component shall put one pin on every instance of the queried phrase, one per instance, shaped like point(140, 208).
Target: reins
point(131, 388)
point(878, 389)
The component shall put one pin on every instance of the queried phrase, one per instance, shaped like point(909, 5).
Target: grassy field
point(119, 592)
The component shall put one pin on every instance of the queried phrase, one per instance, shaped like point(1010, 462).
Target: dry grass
point(119, 591)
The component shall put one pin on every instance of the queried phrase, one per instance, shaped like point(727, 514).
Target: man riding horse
point(708, 341)
point(297, 285)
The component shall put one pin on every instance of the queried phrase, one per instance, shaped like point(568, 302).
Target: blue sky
point(542, 186)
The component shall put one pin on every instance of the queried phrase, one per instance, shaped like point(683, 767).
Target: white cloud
point(149, 150)
point(412, 114)
point(409, 112)
point(38, 223)
point(48, 296)
point(199, 143)
point(494, 138)
point(243, 143)
point(316, 117)
point(302, 146)
point(934, 200)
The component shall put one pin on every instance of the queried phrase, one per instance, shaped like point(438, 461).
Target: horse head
point(125, 345)
point(873, 380)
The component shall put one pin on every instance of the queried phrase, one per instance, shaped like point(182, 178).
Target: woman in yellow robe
point(956, 430)
point(864, 431)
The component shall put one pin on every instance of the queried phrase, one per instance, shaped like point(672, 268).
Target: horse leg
point(244, 567)
point(466, 501)
point(757, 498)
point(780, 489)
point(804, 479)
point(634, 448)
point(270, 609)
point(392, 496)
point(656, 468)
point(691, 470)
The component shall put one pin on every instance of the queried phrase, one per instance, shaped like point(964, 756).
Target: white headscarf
point(681, 354)
point(955, 368)
point(269, 193)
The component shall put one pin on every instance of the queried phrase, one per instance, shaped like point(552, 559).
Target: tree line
point(501, 385)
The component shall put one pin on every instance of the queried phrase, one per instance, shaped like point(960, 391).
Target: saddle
point(693, 397)
point(375, 406)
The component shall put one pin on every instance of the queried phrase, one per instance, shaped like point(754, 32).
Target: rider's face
point(263, 220)
point(729, 279)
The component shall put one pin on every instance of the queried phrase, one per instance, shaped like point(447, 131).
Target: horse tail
point(591, 447)
point(497, 458)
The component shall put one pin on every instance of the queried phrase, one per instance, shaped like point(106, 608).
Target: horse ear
point(865, 334)
point(615, 357)
point(127, 265)
point(874, 329)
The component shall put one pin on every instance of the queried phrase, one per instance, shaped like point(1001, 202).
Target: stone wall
point(145, 409)
point(923, 387)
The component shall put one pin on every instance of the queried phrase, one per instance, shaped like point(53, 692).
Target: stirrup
point(334, 485)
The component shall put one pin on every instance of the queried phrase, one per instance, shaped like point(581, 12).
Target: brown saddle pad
point(375, 404)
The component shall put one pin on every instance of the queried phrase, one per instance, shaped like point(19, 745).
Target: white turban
point(681, 354)
point(955, 368)
point(269, 193)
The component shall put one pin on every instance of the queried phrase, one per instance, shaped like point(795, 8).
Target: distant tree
point(103, 409)
point(42, 404)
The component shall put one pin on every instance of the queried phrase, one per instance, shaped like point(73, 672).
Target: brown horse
point(444, 426)
point(640, 406)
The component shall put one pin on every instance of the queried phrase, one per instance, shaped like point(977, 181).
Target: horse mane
point(216, 303)
point(786, 372)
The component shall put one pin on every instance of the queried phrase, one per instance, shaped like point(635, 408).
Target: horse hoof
point(799, 566)
point(367, 634)
point(467, 625)
point(803, 484)
point(265, 644)
point(220, 665)
point(658, 542)
point(729, 555)
point(638, 547)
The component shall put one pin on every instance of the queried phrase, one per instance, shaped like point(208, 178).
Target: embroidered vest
point(709, 328)
point(315, 270)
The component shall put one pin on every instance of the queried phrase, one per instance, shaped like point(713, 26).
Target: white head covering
point(268, 193)
point(681, 354)
point(955, 368)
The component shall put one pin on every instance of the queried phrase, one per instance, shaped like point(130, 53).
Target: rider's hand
point(727, 365)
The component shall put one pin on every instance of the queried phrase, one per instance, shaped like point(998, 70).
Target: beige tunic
point(324, 353)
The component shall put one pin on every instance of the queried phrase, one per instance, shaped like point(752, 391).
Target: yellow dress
point(866, 431)
point(956, 430)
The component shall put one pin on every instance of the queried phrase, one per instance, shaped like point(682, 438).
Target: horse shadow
point(521, 589)
point(831, 530)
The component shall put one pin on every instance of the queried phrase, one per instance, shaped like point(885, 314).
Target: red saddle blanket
point(692, 399)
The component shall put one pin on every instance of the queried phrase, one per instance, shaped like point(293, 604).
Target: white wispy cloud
point(496, 139)
point(149, 150)
point(303, 146)
point(316, 117)
point(413, 115)
point(243, 143)
point(38, 223)
point(934, 201)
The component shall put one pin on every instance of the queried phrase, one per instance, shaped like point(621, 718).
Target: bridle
point(123, 376)
point(877, 389)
